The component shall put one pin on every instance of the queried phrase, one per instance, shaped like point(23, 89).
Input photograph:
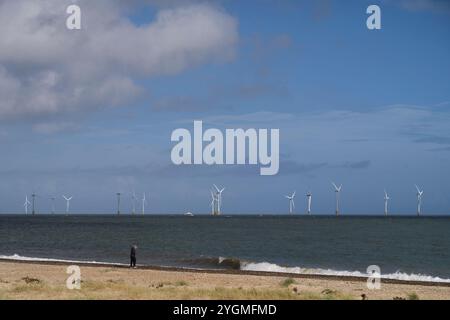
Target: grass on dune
point(178, 290)
point(287, 282)
point(413, 296)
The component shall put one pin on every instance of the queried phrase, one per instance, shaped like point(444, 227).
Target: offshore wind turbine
point(214, 203)
point(386, 199)
point(53, 204)
point(133, 200)
point(291, 202)
point(33, 196)
point(337, 191)
point(144, 201)
point(118, 202)
point(419, 200)
point(67, 203)
point(308, 199)
point(26, 204)
point(219, 198)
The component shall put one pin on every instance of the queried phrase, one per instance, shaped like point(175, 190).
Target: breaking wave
point(16, 257)
point(237, 264)
point(213, 262)
point(270, 267)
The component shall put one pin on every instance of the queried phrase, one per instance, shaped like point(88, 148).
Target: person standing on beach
point(133, 256)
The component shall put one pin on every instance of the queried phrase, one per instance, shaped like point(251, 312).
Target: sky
point(89, 113)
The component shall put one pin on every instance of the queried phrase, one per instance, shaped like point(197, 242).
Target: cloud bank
point(46, 69)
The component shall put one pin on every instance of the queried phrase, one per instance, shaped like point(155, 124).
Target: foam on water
point(270, 267)
point(264, 267)
point(16, 257)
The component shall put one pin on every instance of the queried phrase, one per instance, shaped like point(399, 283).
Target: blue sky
point(90, 113)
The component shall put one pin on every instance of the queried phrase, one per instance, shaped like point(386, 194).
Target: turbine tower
point(33, 196)
point(214, 203)
point(219, 198)
point(386, 199)
point(133, 200)
point(291, 202)
point(67, 203)
point(419, 200)
point(144, 201)
point(337, 191)
point(118, 202)
point(309, 198)
point(26, 204)
point(53, 204)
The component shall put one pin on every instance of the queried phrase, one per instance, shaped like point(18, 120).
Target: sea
point(404, 248)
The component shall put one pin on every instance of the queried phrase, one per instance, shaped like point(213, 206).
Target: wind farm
point(216, 203)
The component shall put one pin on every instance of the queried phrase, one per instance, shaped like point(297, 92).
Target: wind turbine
point(419, 200)
point(214, 200)
point(144, 201)
point(309, 198)
point(291, 202)
point(33, 196)
point(386, 199)
point(53, 204)
point(133, 199)
point(337, 191)
point(26, 204)
point(118, 202)
point(219, 198)
point(213, 203)
point(67, 203)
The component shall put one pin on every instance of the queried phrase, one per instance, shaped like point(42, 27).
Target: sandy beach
point(38, 280)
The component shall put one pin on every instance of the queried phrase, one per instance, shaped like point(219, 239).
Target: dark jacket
point(133, 251)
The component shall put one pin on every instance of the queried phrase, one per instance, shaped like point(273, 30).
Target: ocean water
point(406, 248)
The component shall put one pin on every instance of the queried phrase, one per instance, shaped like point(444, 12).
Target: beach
point(47, 280)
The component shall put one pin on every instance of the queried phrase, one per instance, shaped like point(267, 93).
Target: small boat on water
point(189, 214)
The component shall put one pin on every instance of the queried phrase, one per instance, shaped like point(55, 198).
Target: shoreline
point(228, 272)
point(48, 281)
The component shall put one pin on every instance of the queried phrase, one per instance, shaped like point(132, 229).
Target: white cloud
point(46, 69)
